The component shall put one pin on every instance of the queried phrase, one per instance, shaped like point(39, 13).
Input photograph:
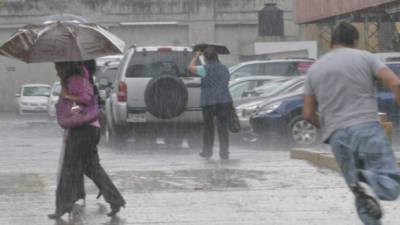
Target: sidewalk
point(173, 186)
point(260, 188)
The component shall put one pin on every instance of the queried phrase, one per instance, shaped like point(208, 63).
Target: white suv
point(153, 96)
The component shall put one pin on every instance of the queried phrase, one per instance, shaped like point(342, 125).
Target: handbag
point(71, 115)
point(233, 120)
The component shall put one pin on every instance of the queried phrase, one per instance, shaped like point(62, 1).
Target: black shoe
point(56, 216)
point(205, 155)
point(114, 210)
point(370, 203)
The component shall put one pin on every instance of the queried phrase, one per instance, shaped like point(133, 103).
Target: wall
point(232, 22)
point(312, 10)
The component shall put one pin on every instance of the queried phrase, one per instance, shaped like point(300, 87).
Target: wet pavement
point(167, 185)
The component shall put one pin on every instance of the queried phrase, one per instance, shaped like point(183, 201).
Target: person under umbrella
point(216, 101)
point(81, 155)
point(68, 43)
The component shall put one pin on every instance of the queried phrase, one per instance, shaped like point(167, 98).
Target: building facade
point(138, 22)
point(377, 20)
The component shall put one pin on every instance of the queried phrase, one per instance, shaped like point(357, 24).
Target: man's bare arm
point(391, 81)
point(310, 110)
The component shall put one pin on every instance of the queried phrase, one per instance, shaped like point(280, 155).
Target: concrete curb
point(319, 159)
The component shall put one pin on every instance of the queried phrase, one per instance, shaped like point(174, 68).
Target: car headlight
point(269, 108)
point(247, 110)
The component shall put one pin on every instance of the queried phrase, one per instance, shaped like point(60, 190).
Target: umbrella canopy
point(61, 41)
point(61, 17)
point(219, 48)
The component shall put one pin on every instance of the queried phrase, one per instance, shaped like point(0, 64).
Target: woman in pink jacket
point(81, 156)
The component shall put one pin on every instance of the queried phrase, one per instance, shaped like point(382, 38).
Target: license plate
point(139, 118)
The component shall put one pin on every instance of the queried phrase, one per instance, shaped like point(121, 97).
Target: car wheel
point(166, 96)
point(302, 133)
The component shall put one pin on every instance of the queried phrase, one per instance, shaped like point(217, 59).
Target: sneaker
point(370, 203)
point(205, 155)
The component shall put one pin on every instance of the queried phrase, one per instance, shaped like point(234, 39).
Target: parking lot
point(167, 185)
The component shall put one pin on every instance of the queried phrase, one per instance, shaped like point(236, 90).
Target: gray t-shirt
point(343, 83)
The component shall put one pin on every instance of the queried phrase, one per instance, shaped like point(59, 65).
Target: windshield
point(279, 87)
point(154, 64)
point(36, 91)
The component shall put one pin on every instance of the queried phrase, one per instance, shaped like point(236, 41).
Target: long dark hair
point(70, 69)
point(90, 65)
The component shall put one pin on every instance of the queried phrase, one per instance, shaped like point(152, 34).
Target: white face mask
point(202, 60)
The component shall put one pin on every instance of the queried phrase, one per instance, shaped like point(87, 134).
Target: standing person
point(341, 88)
point(216, 101)
point(81, 156)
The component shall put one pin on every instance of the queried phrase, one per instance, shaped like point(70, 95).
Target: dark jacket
point(214, 86)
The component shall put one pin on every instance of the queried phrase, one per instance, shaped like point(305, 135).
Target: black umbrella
point(220, 49)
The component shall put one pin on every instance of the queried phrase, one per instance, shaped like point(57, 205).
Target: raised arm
point(192, 66)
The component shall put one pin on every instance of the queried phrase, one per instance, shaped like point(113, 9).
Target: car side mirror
point(18, 95)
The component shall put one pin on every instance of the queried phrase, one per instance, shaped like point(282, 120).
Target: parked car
point(155, 96)
point(387, 102)
point(53, 98)
point(33, 98)
point(388, 56)
point(276, 67)
point(246, 107)
point(281, 118)
point(102, 61)
point(242, 88)
point(271, 88)
point(105, 76)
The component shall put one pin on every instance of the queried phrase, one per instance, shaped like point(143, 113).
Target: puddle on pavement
point(149, 181)
point(21, 183)
point(188, 180)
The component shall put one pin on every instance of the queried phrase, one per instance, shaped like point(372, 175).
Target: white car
point(53, 98)
point(276, 67)
point(33, 98)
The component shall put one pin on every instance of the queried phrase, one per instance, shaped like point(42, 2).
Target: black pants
point(221, 113)
point(81, 158)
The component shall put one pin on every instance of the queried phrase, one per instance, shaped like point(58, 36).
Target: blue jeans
point(364, 154)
